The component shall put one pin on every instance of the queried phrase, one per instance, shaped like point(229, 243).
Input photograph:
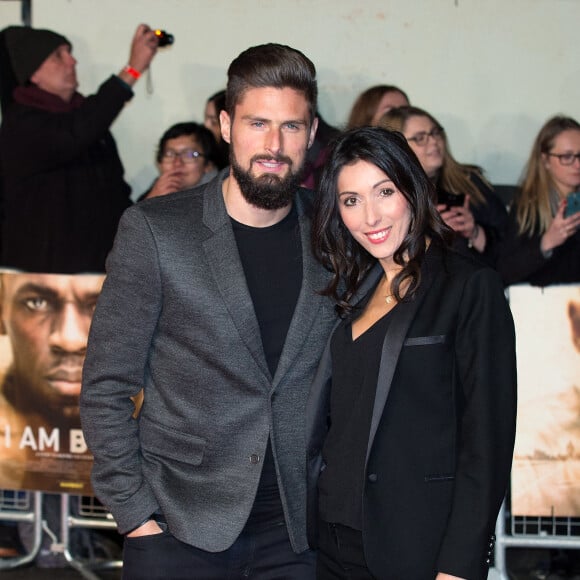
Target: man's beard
point(267, 191)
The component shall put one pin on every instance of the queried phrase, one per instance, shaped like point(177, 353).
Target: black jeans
point(340, 553)
point(260, 555)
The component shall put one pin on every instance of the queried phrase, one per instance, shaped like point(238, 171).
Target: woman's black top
point(355, 368)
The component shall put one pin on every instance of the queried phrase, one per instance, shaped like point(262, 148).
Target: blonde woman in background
point(465, 200)
point(542, 245)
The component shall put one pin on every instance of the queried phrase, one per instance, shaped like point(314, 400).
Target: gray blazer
point(175, 318)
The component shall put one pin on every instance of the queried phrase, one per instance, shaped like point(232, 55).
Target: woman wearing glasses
point(542, 245)
point(185, 158)
point(465, 200)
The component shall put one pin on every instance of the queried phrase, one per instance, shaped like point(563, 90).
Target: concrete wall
point(491, 71)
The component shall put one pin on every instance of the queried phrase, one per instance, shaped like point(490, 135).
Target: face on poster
point(546, 470)
point(44, 322)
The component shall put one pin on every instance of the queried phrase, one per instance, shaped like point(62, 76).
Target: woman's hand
point(560, 229)
point(443, 576)
point(460, 219)
point(168, 182)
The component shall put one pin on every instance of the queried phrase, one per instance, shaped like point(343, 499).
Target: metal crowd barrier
point(22, 506)
point(88, 512)
point(93, 515)
point(533, 532)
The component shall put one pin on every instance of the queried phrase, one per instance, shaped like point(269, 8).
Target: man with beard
point(46, 318)
point(211, 306)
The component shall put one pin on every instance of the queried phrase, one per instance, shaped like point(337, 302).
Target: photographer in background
point(61, 176)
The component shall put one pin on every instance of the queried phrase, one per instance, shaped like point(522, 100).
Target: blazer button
point(254, 458)
point(373, 477)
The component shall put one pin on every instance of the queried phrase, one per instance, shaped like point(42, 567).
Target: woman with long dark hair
point(411, 418)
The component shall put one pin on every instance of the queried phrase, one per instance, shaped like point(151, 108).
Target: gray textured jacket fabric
point(175, 318)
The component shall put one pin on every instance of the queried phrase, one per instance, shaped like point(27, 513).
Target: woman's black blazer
point(443, 426)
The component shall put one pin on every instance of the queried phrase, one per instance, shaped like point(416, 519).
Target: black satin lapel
point(403, 315)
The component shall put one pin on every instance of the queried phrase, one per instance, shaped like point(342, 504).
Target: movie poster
point(44, 326)
point(546, 470)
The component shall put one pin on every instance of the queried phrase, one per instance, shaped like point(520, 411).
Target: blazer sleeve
point(486, 369)
point(114, 370)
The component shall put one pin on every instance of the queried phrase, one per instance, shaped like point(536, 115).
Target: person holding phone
point(466, 201)
point(542, 244)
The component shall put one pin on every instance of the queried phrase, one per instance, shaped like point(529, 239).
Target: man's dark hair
point(271, 65)
point(203, 136)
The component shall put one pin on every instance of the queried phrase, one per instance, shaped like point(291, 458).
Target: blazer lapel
point(314, 279)
point(226, 268)
point(403, 315)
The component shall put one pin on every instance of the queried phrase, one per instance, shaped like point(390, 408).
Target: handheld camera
point(164, 37)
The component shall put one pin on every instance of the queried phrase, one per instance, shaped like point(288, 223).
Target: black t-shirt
point(355, 368)
point(272, 262)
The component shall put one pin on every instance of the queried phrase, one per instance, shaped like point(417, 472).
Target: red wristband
point(131, 71)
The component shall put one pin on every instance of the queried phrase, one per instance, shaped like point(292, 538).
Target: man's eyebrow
point(85, 296)
point(296, 122)
point(256, 118)
point(264, 120)
point(32, 288)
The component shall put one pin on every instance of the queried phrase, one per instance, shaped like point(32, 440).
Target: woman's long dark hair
point(333, 244)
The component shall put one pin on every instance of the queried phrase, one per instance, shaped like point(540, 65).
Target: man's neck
point(245, 213)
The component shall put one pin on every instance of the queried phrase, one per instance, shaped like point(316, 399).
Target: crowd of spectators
point(60, 206)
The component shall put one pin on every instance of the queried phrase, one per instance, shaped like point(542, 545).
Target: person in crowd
point(62, 179)
point(542, 244)
point(211, 119)
point(373, 103)
point(465, 200)
point(214, 105)
point(411, 417)
point(186, 157)
point(317, 154)
point(224, 338)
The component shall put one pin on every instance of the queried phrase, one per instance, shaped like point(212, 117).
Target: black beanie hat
point(28, 48)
